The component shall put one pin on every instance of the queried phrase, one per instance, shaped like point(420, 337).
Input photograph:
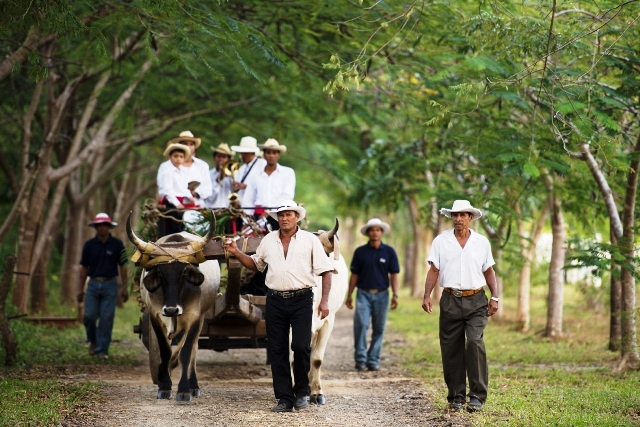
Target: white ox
point(179, 288)
point(321, 328)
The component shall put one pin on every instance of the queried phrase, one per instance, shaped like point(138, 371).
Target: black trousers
point(462, 323)
point(281, 315)
point(171, 226)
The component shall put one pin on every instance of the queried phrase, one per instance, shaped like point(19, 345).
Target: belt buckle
point(287, 294)
point(457, 292)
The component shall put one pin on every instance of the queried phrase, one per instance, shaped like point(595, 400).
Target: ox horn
point(334, 231)
point(212, 229)
point(138, 242)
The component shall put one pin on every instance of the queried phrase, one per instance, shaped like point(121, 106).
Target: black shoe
point(474, 404)
point(373, 367)
point(360, 366)
point(282, 407)
point(301, 402)
point(456, 405)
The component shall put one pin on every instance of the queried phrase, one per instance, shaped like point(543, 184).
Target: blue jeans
point(100, 304)
point(372, 307)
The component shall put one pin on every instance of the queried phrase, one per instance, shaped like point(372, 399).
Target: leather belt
point(102, 279)
point(290, 294)
point(458, 293)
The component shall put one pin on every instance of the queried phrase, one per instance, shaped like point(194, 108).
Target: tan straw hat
point(172, 147)
point(462, 206)
point(272, 144)
point(223, 149)
point(248, 144)
point(185, 136)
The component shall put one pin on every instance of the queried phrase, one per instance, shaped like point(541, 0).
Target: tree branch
point(20, 54)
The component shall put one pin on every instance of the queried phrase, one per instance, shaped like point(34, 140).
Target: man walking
point(374, 267)
point(103, 260)
point(462, 260)
point(294, 257)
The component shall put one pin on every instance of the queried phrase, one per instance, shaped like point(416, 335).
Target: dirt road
point(236, 391)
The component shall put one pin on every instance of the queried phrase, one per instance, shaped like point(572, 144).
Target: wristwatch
point(496, 299)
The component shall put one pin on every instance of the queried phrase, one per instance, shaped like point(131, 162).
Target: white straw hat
point(462, 206)
point(172, 147)
point(248, 144)
point(185, 136)
point(289, 205)
point(375, 222)
point(272, 144)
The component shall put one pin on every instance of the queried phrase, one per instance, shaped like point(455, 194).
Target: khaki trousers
point(462, 323)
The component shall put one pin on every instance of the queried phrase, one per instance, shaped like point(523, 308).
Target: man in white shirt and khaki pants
point(462, 259)
point(295, 257)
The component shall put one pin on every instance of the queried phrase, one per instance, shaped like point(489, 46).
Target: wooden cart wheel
point(154, 352)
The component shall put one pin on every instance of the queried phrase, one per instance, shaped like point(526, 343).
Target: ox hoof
point(183, 397)
point(195, 392)
point(317, 399)
point(164, 394)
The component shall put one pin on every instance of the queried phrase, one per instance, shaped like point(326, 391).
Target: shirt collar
point(294, 234)
point(450, 234)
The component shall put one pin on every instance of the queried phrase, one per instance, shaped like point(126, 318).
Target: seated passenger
point(220, 183)
point(172, 187)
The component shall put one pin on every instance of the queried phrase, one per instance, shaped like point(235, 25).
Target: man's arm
point(84, 272)
point(430, 283)
point(394, 288)
point(323, 307)
point(245, 260)
point(352, 285)
point(490, 277)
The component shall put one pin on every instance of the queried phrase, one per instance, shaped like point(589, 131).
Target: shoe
point(301, 402)
point(360, 366)
point(474, 404)
point(282, 407)
point(102, 356)
point(373, 367)
point(456, 405)
point(92, 349)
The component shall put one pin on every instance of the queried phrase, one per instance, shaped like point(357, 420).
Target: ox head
point(329, 239)
point(174, 275)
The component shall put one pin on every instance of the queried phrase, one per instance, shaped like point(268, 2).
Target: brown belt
point(458, 293)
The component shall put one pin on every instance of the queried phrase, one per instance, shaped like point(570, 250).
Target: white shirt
point(270, 191)
point(305, 260)
point(461, 268)
point(220, 191)
point(198, 171)
point(172, 183)
point(258, 165)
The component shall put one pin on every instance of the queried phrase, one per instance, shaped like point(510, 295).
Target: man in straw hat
point(461, 258)
point(196, 170)
point(294, 257)
point(220, 183)
point(374, 268)
point(272, 186)
point(103, 260)
point(252, 164)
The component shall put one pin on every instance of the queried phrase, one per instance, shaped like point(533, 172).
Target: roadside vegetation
point(533, 381)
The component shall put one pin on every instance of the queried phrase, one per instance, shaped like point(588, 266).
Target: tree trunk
point(409, 264)
point(8, 338)
point(615, 325)
point(38, 288)
point(556, 278)
point(629, 344)
point(71, 255)
point(416, 284)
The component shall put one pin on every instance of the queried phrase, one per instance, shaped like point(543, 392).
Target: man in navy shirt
point(373, 269)
point(103, 260)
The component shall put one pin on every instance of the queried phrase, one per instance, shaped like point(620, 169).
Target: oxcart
point(235, 321)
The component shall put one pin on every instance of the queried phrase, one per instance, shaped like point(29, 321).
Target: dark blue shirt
point(373, 266)
point(102, 259)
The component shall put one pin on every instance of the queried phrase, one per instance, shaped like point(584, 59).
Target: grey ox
point(179, 288)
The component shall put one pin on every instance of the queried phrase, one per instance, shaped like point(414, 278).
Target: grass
point(32, 392)
point(533, 381)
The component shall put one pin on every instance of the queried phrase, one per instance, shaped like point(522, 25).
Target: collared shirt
point(373, 266)
point(461, 268)
point(220, 191)
point(172, 183)
point(102, 258)
point(270, 191)
point(247, 171)
point(198, 171)
point(305, 260)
